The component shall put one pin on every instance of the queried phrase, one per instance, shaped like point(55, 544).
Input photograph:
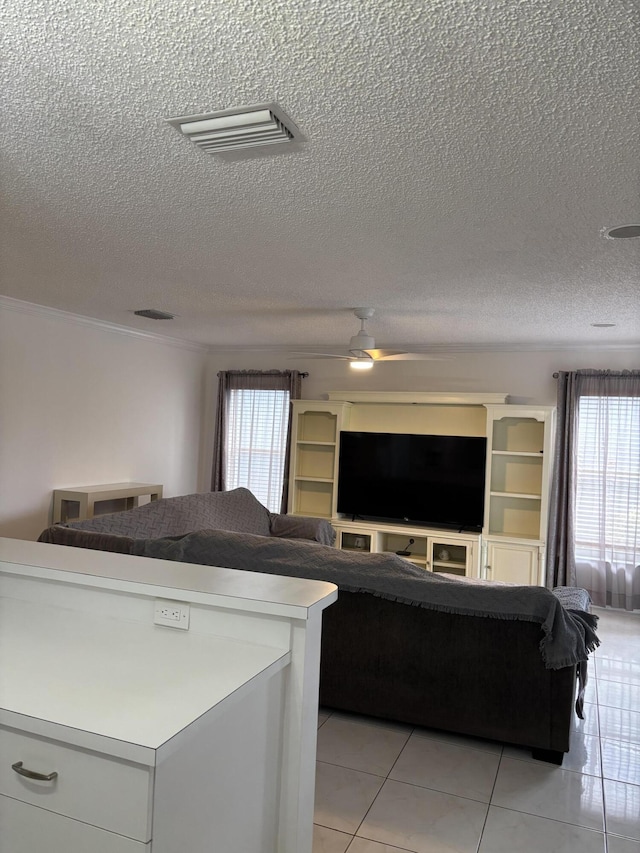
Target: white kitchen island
point(119, 735)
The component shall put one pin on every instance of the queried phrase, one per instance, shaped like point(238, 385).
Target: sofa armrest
point(60, 534)
point(302, 527)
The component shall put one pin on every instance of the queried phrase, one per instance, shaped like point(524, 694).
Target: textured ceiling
point(463, 158)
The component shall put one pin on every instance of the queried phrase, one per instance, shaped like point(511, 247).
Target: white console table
point(144, 737)
point(80, 502)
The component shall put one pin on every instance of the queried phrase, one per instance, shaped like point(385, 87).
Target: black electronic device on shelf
point(431, 480)
point(406, 553)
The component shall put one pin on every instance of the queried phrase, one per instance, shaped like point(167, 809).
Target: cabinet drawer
point(27, 829)
point(91, 787)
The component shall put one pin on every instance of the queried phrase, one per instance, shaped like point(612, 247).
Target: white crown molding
point(442, 398)
point(10, 304)
point(441, 349)
point(527, 347)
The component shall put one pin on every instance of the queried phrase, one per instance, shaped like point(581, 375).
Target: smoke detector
point(238, 128)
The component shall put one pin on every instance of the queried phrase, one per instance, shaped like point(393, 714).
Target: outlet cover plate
point(171, 614)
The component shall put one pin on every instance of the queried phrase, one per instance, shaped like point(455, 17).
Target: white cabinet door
point(511, 562)
point(450, 555)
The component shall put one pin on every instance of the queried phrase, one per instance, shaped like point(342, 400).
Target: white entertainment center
point(511, 546)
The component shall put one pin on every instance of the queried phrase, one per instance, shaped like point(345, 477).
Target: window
point(594, 520)
point(607, 515)
point(251, 445)
point(256, 448)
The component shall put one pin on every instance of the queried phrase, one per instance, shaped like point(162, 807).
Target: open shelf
point(518, 435)
point(514, 515)
point(537, 454)
point(393, 542)
point(313, 497)
point(412, 558)
point(315, 460)
point(317, 426)
point(527, 497)
point(516, 474)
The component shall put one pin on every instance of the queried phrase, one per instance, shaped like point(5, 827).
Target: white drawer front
point(94, 788)
point(27, 829)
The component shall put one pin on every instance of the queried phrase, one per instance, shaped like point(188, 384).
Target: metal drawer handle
point(31, 774)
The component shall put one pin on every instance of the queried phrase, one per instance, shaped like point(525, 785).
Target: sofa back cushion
point(237, 510)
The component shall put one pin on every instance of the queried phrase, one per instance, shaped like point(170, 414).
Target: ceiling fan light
point(364, 363)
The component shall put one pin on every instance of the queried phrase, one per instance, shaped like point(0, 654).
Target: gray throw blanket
point(567, 637)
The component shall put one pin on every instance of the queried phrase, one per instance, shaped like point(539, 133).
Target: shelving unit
point(315, 439)
point(519, 462)
point(520, 445)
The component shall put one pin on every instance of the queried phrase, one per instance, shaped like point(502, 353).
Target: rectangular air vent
point(232, 130)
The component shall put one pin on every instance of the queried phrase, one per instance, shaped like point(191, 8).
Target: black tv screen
point(434, 480)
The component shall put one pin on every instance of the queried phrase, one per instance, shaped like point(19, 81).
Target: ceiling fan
point(362, 352)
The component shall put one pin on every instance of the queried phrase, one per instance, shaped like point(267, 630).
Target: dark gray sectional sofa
point(404, 660)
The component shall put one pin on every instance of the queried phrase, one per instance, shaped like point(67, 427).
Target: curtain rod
point(555, 375)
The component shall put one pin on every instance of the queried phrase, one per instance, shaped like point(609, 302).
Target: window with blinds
point(607, 509)
point(256, 431)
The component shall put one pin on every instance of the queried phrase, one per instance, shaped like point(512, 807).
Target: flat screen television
point(435, 480)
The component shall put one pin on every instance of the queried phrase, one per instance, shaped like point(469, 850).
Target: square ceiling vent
point(238, 128)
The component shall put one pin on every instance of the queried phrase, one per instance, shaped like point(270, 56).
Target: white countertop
point(101, 679)
point(250, 591)
point(141, 684)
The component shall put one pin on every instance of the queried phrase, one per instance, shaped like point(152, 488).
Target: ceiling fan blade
point(415, 356)
point(320, 355)
point(378, 354)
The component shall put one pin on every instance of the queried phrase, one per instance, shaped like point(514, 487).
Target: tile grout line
point(386, 779)
point(604, 801)
point(493, 788)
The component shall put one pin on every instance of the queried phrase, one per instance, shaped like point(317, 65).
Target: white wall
point(82, 404)
point(526, 376)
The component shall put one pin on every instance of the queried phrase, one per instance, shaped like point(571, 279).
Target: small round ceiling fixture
point(603, 325)
point(620, 232)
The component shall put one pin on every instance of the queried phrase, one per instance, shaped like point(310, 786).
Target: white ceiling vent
point(242, 127)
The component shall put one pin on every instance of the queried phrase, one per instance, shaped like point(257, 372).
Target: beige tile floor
point(387, 788)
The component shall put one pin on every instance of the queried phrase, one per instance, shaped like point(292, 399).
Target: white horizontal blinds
point(256, 443)
point(607, 509)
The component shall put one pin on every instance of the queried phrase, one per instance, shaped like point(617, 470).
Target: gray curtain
point(263, 380)
point(561, 568)
point(609, 572)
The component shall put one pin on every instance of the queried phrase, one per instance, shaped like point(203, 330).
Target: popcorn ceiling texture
point(462, 159)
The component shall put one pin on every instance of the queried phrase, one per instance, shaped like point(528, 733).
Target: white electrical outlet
point(173, 614)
